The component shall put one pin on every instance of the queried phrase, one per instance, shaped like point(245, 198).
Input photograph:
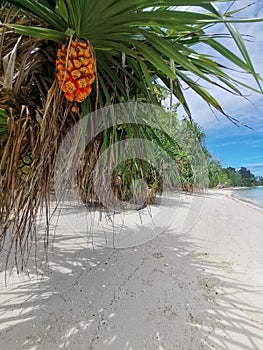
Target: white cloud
point(255, 168)
point(254, 165)
point(247, 111)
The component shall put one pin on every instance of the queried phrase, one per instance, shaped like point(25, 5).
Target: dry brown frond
point(39, 117)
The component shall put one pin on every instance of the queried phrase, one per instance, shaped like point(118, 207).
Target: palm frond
point(43, 10)
point(153, 33)
point(138, 45)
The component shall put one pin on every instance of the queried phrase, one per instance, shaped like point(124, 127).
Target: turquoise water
point(254, 194)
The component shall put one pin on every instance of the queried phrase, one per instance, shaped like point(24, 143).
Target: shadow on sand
point(166, 294)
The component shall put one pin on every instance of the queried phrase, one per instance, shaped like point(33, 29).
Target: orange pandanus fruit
point(75, 69)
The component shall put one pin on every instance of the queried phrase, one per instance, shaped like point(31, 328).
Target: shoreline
point(249, 202)
point(193, 290)
point(230, 193)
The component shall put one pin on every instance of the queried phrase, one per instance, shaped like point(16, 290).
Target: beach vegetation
point(230, 176)
point(61, 60)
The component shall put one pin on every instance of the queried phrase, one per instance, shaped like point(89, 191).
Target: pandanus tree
point(62, 59)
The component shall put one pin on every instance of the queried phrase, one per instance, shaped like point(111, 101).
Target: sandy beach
point(193, 289)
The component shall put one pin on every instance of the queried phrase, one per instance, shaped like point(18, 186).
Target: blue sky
point(236, 146)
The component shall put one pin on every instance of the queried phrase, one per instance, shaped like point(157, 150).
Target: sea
point(251, 194)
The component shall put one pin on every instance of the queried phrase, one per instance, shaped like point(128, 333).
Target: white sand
point(202, 289)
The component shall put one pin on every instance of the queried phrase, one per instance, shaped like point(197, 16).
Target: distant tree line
point(193, 138)
point(219, 176)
